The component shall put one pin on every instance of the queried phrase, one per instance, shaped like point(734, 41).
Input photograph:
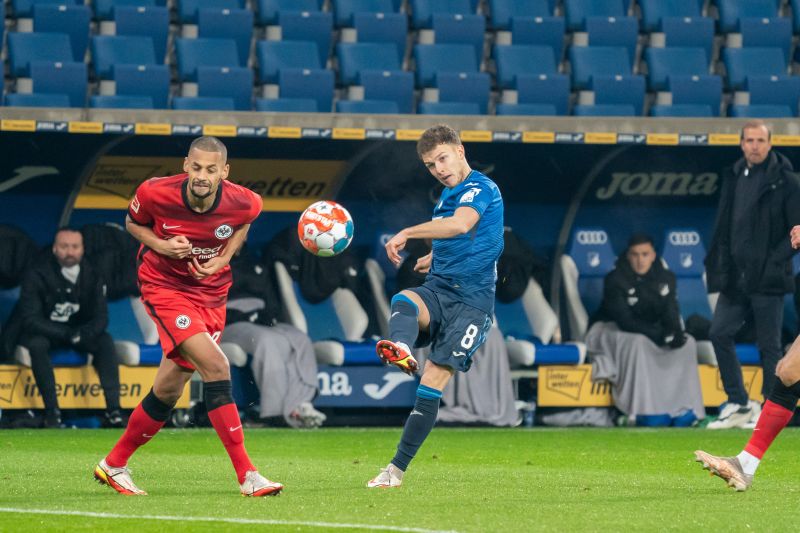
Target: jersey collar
point(213, 207)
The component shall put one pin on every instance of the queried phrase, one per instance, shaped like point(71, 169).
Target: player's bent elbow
point(788, 374)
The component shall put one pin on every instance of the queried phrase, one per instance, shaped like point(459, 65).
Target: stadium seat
point(236, 24)
point(110, 50)
point(273, 56)
point(61, 78)
point(371, 107)
point(145, 21)
point(134, 332)
point(346, 9)
point(626, 90)
point(537, 110)
point(356, 57)
point(268, 9)
point(24, 48)
point(743, 62)
point(383, 28)
point(72, 20)
point(731, 11)
point(502, 12)
point(422, 11)
point(24, 8)
point(614, 31)
point(203, 103)
point(689, 33)
point(655, 11)
point(547, 89)
point(460, 29)
point(464, 87)
point(539, 31)
point(305, 83)
point(105, 9)
point(761, 111)
point(121, 102)
point(774, 90)
point(577, 11)
point(194, 53)
point(665, 62)
point(432, 59)
point(448, 108)
point(703, 90)
point(774, 33)
point(189, 9)
point(515, 60)
point(227, 82)
point(397, 86)
point(36, 100)
point(682, 110)
point(315, 26)
point(287, 105)
point(605, 110)
point(143, 80)
point(588, 61)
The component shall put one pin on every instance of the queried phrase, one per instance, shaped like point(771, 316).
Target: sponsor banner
point(122, 128)
point(316, 133)
point(786, 140)
point(219, 130)
point(541, 137)
point(631, 138)
point(666, 139)
point(364, 386)
point(409, 135)
point(507, 136)
point(145, 128)
point(250, 131)
point(693, 139)
point(714, 392)
point(569, 138)
point(77, 387)
point(355, 134)
point(187, 129)
point(280, 132)
point(483, 136)
point(571, 386)
point(380, 134)
point(18, 125)
point(723, 139)
point(601, 138)
point(85, 127)
point(50, 126)
point(666, 184)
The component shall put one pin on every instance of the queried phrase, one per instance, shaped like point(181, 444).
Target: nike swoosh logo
point(170, 227)
point(146, 436)
point(237, 427)
point(415, 412)
point(395, 313)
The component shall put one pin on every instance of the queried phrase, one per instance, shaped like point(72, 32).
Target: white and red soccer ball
point(325, 228)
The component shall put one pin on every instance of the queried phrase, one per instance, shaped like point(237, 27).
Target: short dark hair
point(753, 124)
point(640, 238)
point(209, 144)
point(436, 135)
point(72, 229)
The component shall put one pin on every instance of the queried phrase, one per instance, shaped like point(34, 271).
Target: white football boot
point(257, 485)
point(391, 476)
point(118, 479)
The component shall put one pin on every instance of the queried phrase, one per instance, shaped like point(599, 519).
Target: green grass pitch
point(462, 480)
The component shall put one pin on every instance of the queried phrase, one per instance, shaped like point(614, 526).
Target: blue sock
point(403, 324)
point(419, 424)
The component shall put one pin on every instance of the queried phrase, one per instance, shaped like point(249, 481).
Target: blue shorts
point(456, 329)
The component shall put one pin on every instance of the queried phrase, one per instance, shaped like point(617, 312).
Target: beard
point(201, 196)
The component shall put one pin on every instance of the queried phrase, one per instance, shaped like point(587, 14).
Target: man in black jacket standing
point(749, 264)
point(63, 304)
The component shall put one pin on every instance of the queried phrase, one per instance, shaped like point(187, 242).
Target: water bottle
point(529, 415)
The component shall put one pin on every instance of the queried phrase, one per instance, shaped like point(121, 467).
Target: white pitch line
point(220, 519)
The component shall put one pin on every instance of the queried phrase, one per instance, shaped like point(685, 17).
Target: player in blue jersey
point(453, 309)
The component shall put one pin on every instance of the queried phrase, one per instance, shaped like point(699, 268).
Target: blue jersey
point(466, 265)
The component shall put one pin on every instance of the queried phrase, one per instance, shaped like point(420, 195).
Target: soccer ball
point(325, 228)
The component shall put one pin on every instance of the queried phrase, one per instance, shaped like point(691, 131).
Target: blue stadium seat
point(203, 103)
point(145, 21)
point(518, 59)
point(356, 57)
point(732, 11)
point(313, 26)
point(236, 24)
point(689, 32)
point(588, 61)
point(72, 20)
point(614, 31)
point(682, 110)
point(703, 90)
point(287, 105)
point(143, 80)
point(665, 62)
point(305, 83)
point(104, 9)
point(609, 90)
point(136, 343)
point(743, 62)
point(189, 9)
point(503, 11)
point(382, 28)
point(389, 85)
point(423, 10)
point(577, 11)
point(448, 108)
point(110, 50)
point(37, 100)
point(434, 58)
point(539, 31)
point(370, 107)
point(193, 53)
point(24, 48)
point(464, 87)
point(539, 110)
point(227, 82)
point(776, 33)
point(268, 9)
point(121, 102)
point(655, 11)
point(71, 79)
point(346, 9)
point(460, 29)
point(24, 8)
point(605, 110)
point(684, 253)
point(544, 89)
point(761, 111)
point(774, 90)
point(276, 55)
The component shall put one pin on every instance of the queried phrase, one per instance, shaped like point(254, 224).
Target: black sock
point(419, 424)
point(403, 324)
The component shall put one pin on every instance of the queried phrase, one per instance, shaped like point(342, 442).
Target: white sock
point(749, 462)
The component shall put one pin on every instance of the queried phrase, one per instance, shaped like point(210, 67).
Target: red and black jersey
point(163, 205)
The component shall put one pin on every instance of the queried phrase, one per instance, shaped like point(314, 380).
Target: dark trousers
point(104, 361)
point(729, 316)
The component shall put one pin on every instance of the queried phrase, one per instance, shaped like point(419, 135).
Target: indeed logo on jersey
point(206, 253)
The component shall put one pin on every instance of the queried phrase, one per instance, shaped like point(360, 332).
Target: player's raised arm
point(177, 247)
point(463, 220)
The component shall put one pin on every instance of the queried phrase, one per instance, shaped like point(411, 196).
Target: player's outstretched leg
point(118, 478)
point(403, 331)
point(397, 354)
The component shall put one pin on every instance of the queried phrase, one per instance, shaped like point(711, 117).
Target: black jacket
point(252, 279)
point(642, 304)
point(769, 268)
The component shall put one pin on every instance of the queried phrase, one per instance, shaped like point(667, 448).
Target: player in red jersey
point(190, 225)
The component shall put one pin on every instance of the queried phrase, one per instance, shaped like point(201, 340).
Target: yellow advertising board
point(77, 387)
point(713, 391)
point(571, 386)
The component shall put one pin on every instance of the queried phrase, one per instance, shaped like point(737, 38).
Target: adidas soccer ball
point(325, 228)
